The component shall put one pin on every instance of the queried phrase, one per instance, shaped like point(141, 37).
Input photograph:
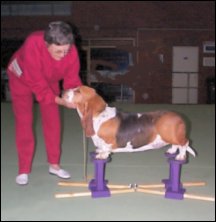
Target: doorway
point(185, 75)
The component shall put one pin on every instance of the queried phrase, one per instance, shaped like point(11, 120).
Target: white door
point(185, 74)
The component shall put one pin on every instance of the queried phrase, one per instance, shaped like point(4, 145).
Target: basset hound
point(113, 131)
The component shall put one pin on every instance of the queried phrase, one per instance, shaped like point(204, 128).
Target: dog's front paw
point(173, 149)
point(102, 156)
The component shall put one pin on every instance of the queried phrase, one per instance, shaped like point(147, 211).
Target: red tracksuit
point(32, 70)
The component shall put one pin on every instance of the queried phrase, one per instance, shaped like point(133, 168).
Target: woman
point(45, 58)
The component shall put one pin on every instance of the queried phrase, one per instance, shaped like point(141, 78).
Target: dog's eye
point(77, 91)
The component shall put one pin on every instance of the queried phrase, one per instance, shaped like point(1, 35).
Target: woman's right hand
point(63, 102)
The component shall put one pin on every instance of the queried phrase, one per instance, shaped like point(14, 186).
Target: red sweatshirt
point(33, 65)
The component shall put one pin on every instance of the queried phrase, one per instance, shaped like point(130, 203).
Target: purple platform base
point(178, 195)
point(103, 192)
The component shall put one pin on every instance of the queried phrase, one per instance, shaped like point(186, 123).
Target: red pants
point(22, 101)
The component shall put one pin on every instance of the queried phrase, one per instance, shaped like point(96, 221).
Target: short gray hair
point(59, 33)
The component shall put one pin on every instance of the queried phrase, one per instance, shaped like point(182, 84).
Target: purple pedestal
point(98, 185)
point(173, 185)
point(168, 182)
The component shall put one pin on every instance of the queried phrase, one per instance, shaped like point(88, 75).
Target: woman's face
point(58, 52)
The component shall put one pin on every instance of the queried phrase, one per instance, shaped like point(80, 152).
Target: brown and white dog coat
point(113, 131)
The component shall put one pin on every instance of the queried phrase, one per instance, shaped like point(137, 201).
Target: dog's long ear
point(87, 121)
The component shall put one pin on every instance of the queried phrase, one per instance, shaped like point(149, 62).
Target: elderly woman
point(45, 58)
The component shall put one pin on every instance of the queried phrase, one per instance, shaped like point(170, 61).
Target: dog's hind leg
point(182, 151)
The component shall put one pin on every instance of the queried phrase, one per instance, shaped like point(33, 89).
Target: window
point(35, 8)
point(209, 47)
point(111, 61)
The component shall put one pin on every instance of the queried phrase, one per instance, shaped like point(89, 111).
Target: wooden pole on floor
point(189, 196)
point(83, 184)
point(118, 189)
point(157, 192)
point(85, 194)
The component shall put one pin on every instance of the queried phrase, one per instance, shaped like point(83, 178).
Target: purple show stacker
point(173, 185)
point(98, 185)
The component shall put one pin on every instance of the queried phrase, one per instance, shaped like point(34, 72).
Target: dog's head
point(89, 104)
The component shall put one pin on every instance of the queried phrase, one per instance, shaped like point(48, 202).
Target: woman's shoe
point(22, 179)
point(60, 173)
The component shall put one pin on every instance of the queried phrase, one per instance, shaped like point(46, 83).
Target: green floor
point(37, 201)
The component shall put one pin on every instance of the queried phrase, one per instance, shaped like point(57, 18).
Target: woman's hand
point(63, 102)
